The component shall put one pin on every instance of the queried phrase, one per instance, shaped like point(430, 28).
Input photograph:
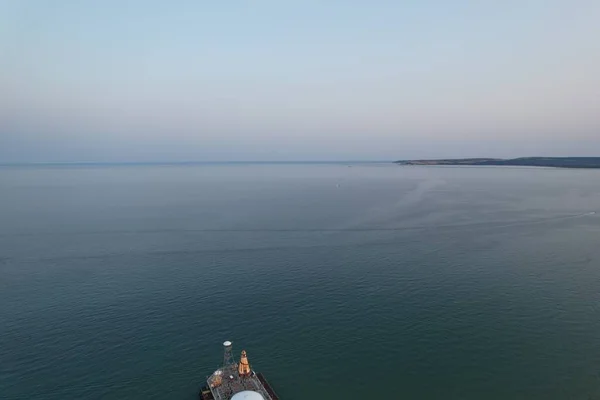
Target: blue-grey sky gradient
point(280, 80)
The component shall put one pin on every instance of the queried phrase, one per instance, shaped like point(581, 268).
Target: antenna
point(227, 354)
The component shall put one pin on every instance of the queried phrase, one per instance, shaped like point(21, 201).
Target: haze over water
point(370, 281)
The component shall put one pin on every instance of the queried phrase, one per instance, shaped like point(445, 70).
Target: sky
point(126, 80)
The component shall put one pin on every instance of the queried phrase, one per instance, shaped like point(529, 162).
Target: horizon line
point(42, 163)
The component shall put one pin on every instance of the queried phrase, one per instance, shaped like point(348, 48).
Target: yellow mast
point(244, 366)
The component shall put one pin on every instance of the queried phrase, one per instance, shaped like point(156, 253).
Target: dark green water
point(368, 282)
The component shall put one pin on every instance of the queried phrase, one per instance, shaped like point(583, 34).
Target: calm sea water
point(363, 282)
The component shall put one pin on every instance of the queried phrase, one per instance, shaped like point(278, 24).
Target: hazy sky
point(146, 80)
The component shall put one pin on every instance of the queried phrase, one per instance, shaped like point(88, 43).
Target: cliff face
point(558, 162)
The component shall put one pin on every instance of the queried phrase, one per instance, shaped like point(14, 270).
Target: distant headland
point(556, 162)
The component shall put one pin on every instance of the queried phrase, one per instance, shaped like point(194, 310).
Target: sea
point(340, 280)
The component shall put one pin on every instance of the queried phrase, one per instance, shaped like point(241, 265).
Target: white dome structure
point(247, 395)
